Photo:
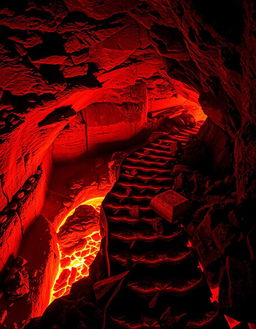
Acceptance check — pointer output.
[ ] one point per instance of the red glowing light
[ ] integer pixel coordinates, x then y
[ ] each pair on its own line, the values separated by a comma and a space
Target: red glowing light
75, 265
232, 322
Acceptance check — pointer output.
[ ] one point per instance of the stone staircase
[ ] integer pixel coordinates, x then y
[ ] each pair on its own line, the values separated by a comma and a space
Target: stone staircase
165, 287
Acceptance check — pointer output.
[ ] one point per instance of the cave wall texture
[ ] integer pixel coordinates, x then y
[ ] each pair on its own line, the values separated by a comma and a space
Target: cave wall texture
59, 57
68, 53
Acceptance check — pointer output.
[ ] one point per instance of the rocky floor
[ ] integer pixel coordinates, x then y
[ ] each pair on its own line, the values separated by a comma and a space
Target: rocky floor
165, 287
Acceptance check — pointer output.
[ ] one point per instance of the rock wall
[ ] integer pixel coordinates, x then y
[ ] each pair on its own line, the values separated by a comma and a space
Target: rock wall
51, 58
52, 67
30, 277
71, 143
220, 43
24, 207
62, 53
58, 58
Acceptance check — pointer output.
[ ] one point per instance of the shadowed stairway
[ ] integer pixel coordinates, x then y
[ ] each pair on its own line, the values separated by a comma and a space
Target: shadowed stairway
165, 287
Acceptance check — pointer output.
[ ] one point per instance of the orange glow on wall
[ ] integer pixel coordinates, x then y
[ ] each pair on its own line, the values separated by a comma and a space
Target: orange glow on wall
76, 264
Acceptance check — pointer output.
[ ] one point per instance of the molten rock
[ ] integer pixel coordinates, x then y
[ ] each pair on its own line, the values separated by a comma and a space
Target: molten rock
79, 241
73, 233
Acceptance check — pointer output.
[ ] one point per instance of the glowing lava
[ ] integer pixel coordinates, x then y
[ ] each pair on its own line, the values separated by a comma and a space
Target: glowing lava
75, 262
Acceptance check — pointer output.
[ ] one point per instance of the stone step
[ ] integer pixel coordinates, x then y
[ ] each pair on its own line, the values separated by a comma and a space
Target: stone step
140, 167
148, 236
149, 259
121, 243
146, 163
145, 155
133, 200
156, 151
131, 305
118, 226
119, 196
140, 186
174, 138
163, 270
153, 178
133, 220
208, 320
124, 210
159, 146
153, 223
181, 287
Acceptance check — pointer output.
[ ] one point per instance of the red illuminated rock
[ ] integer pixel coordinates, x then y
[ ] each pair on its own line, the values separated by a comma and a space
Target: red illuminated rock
83, 222
74, 71
16, 282
60, 114
31, 275
79, 241
3, 315
18, 215
71, 142
77, 53
100, 9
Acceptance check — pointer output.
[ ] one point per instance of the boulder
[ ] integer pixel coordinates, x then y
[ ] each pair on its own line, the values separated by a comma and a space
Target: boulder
170, 205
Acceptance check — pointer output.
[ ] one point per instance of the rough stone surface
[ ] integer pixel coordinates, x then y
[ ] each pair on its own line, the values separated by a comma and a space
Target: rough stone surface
170, 205
71, 54
30, 276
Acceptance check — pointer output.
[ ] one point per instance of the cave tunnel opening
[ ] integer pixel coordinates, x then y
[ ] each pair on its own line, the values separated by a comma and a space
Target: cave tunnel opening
127, 142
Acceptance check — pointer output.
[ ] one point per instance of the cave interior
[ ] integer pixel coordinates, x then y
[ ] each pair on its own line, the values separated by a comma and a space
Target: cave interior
127, 164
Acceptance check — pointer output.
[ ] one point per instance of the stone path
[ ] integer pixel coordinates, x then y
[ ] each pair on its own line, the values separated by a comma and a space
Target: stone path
165, 287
